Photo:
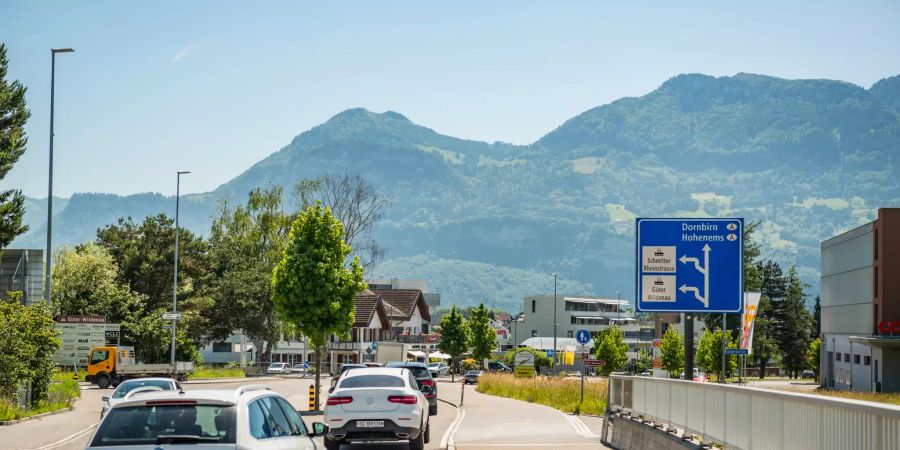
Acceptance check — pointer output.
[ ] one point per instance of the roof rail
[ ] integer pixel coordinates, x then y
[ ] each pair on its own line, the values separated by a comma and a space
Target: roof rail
250, 387
141, 390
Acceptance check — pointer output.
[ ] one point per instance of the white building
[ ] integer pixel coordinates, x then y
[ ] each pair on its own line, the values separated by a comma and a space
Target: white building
572, 314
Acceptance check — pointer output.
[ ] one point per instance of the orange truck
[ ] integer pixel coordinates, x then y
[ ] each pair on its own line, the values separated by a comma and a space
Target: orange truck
110, 365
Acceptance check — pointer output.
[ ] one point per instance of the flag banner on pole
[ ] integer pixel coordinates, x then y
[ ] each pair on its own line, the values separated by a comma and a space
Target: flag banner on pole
751, 306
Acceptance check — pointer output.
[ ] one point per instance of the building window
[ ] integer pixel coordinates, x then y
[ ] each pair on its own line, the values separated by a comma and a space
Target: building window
533, 333
855, 359
867, 361
533, 306
846, 357
569, 333
573, 320
837, 356
221, 347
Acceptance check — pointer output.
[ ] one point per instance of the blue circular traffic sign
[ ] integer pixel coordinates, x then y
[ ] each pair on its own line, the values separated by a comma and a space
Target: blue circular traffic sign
583, 336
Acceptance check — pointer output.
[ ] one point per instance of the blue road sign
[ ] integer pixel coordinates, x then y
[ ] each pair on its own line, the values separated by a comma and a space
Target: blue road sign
551, 353
583, 336
374, 345
737, 351
690, 265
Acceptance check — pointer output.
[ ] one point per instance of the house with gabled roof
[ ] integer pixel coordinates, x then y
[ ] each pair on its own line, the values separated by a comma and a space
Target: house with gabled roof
408, 312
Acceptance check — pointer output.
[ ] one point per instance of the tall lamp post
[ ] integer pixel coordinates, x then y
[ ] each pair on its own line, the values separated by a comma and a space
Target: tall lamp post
175, 283
555, 355
53, 52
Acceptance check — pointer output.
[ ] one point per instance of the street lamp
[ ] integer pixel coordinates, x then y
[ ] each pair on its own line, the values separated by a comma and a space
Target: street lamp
555, 356
175, 283
53, 52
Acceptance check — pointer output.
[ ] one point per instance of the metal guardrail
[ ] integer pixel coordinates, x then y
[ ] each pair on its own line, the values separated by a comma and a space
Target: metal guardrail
749, 418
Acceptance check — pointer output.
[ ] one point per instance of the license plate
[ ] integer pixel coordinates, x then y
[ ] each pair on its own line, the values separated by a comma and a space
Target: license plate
370, 424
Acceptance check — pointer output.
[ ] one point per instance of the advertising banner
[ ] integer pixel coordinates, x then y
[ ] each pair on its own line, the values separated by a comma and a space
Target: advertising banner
78, 339
751, 307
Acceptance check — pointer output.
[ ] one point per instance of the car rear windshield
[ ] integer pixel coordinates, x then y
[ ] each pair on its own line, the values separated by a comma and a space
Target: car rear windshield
418, 371
372, 381
142, 425
129, 386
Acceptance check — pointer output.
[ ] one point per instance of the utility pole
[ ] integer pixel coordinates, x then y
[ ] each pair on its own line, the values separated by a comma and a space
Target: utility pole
175, 282
49, 256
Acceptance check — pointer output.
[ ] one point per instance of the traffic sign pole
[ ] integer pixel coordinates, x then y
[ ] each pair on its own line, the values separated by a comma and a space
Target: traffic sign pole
724, 346
688, 346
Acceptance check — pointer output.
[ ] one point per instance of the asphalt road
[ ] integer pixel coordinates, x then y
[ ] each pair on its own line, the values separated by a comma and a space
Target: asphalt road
483, 422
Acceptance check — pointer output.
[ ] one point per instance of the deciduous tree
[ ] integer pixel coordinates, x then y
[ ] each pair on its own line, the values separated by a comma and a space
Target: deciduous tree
311, 286
812, 356
610, 346
484, 338
709, 353
454, 336
672, 352
13, 116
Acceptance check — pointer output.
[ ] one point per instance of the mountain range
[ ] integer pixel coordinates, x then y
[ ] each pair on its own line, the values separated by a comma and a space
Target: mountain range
491, 221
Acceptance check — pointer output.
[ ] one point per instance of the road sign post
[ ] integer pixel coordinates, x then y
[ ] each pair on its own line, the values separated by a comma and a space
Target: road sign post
689, 266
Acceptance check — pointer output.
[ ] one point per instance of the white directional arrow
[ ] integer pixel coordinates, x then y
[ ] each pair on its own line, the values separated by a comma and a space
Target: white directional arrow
685, 289
706, 251
686, 259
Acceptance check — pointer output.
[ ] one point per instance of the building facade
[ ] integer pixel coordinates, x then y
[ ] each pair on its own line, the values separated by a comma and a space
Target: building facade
572, 314
861, 307
22, 270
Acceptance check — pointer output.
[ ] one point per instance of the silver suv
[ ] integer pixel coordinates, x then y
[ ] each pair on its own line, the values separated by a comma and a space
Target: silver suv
249, 417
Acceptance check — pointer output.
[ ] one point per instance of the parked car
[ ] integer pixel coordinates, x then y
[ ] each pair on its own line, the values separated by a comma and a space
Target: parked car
247, 417
129, 387
372, 364
278, 368
471, 377
378, 404
423, 378
300, 368
497, 366
807, 374
438, 369
696, 371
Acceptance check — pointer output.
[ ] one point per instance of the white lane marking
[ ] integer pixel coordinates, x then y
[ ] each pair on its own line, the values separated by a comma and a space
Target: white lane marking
68, 439
579, 426
448, 441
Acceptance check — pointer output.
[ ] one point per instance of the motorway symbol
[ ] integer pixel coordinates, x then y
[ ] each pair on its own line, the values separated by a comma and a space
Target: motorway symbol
689, 265
171, 316
583, 336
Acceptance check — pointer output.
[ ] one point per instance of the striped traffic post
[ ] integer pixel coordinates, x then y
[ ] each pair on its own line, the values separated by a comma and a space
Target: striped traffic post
312, 397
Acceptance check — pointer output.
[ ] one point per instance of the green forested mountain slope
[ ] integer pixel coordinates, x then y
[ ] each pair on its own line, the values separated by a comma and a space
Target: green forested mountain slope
806, 158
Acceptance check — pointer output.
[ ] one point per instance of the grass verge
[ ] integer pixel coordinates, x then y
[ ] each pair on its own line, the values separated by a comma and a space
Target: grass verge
562, 394
62, 393
892, 398
205, 372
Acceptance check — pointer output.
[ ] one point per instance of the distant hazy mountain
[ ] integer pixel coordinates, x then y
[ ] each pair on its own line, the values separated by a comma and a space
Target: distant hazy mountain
806, 158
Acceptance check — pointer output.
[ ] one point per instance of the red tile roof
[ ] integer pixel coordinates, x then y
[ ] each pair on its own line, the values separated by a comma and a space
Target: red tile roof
367, 305
405, 301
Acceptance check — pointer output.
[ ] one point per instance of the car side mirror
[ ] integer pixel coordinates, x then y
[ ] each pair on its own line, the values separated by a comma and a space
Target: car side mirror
104, 399
426, 389
319, 429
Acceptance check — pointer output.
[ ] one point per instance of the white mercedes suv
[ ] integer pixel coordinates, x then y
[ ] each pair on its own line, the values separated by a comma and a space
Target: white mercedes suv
377, 404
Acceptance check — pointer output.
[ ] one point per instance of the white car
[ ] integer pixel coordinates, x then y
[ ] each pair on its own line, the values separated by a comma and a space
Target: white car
129, 387
438, 369
278, 368
249, 417
300, 368
378, 404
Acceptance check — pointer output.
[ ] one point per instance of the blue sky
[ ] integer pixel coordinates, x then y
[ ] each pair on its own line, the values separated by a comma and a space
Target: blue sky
214, 86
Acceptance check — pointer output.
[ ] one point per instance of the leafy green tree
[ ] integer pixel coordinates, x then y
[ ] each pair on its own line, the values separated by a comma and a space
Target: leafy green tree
812, 356
84, 282
610, 346
792, 325
672, 352
144, 254
817, 318
484, 338
29, 341
644, 361
311, 287
454, 336
13, 116
709, 353
246, 243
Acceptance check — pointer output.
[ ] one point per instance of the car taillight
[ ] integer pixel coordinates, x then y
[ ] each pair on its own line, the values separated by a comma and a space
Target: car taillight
404, 399
334, 401
426, 382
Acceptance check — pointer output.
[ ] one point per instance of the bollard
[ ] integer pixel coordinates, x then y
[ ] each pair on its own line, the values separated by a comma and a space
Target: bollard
462, 393
312, 397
